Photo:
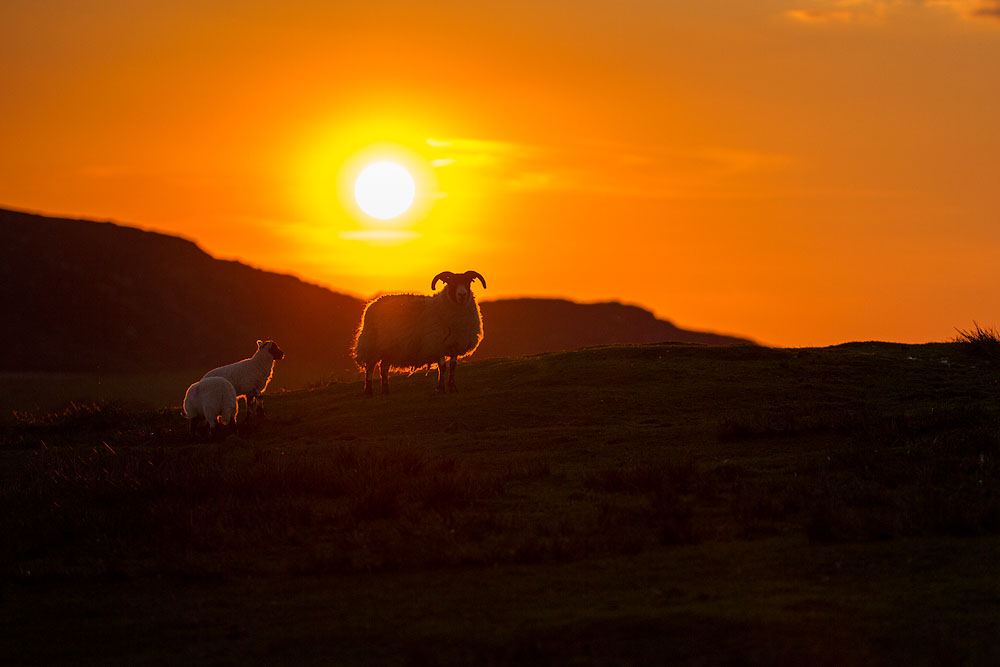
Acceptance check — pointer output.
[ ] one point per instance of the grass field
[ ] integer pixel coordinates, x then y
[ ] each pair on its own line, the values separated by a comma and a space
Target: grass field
36, 393
620, 505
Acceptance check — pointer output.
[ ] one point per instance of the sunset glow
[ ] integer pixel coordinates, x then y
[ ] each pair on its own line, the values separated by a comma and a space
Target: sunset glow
801, 173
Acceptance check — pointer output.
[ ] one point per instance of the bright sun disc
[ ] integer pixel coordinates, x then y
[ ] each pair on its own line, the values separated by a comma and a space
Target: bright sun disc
384, 190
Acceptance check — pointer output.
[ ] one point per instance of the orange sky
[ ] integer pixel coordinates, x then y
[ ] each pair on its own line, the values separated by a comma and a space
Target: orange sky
800, 172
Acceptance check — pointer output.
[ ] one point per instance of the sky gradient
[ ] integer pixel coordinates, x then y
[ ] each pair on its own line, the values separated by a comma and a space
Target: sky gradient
799, 172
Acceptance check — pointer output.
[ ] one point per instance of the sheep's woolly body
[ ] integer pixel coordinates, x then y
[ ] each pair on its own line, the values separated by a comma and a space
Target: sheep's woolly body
211, 399
249, 377
411, 331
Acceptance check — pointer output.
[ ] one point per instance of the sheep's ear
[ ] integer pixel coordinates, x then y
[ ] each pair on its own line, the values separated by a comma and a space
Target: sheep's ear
259, 343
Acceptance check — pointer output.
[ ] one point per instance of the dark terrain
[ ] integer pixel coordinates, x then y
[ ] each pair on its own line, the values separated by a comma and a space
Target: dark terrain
618, 505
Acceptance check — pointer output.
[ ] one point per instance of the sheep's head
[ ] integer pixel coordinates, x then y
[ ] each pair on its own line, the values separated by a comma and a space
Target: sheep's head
272, 348
458, 287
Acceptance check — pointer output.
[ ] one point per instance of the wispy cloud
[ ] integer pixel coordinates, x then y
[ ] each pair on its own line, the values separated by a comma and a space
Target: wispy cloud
970, 9
819, 16
873, 12
846, 11
379, 236
605, 168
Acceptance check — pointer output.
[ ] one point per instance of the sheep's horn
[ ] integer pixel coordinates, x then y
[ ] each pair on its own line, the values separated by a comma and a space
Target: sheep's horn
472, 275
444, 276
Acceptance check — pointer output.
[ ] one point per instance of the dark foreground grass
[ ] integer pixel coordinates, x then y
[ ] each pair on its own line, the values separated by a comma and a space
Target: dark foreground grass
984, 342
613, 505
146, 510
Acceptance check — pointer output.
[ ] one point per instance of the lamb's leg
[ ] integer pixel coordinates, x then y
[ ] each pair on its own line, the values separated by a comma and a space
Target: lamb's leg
383, 369
451, 374
368, 379
441, 363
233, 426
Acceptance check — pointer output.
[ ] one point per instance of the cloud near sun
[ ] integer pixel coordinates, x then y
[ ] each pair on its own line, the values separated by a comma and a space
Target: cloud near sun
867, 12
606, 168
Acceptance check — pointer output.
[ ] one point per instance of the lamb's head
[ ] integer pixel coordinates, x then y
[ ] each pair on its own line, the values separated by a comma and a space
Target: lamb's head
458, 287
271, 348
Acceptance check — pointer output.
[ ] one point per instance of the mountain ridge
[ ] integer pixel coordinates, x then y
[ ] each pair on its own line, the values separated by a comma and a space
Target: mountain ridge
89, 296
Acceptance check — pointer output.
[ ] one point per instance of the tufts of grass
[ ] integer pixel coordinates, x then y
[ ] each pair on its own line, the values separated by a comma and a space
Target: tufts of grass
864, 423
668, 488
93, 423
88, 507
914, 483
984, 342
929, 472
655, 478
759, 424
767, 507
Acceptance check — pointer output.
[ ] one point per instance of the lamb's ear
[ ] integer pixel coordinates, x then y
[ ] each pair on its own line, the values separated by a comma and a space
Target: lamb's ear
259, 343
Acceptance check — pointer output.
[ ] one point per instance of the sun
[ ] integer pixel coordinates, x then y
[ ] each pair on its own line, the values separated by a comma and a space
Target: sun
384, 190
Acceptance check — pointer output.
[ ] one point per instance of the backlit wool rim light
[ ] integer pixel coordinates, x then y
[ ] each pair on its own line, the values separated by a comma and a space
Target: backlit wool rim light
384, 190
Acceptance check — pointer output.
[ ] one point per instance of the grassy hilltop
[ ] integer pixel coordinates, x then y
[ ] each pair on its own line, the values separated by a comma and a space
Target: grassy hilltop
614, 505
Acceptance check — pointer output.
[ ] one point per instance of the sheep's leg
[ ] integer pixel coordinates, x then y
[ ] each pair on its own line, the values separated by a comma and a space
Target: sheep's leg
383, 370
246, 404
258, 400
451, 374
194, 425
233, 426
441, 363
368, 379
215, 430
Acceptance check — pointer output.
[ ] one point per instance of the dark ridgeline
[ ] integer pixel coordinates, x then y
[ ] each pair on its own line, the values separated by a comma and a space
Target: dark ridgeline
95, 296
517, 327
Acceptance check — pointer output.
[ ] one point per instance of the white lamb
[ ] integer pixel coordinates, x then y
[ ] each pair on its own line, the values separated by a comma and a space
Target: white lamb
213, 401
250, 376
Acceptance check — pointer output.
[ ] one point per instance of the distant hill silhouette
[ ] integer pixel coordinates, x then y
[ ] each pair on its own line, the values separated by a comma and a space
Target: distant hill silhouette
88, 296
518, 327
92, 296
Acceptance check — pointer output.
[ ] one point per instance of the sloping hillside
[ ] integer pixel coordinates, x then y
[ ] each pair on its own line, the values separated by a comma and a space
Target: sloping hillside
82, 296
90, 296
736, 505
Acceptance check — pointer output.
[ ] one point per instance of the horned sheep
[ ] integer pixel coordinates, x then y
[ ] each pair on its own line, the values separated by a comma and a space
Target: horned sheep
249, 377
213, 401
409, 331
